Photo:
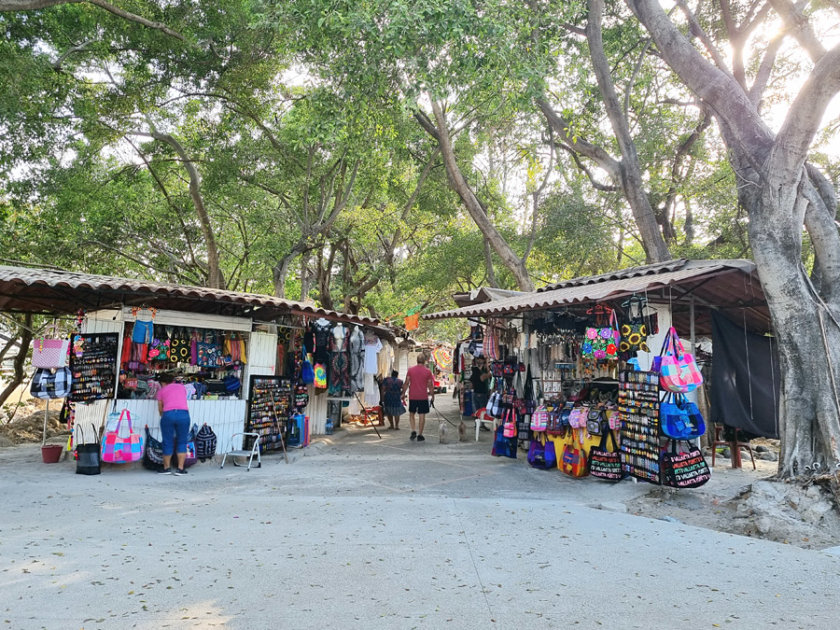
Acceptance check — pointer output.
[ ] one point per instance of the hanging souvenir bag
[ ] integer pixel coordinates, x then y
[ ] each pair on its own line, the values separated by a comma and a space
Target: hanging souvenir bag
205, 442
610, 337
605, 463
209, 353
159, 349
509, 424
497, 369
573, 462
678, 371
613, 417
51, 384
307, 373
88, 460
577, 417
179, 346
634, 332
152, 452
494, 405
680, 418
301, 396
594, 421
684, 469
50, 353
191, 454
120, 449
539, 419
541, 454
503, 446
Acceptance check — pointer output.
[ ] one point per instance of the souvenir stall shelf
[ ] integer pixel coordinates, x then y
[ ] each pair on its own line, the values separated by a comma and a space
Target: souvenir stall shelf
638, 406
269, 410
93, 364
209, 362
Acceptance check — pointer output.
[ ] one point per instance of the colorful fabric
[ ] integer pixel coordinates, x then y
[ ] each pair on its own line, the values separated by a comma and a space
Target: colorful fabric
121, 449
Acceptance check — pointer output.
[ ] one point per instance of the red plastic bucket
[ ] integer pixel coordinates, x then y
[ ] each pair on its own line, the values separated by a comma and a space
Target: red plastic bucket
51, 453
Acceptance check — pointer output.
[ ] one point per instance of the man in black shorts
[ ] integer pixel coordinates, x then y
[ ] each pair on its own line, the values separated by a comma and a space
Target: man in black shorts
420, 383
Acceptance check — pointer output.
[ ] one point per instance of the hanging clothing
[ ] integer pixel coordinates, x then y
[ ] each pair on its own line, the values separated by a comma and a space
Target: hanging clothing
372, 347
371, 391
384, 361
491, 341
357, 359
339, 361
321, 329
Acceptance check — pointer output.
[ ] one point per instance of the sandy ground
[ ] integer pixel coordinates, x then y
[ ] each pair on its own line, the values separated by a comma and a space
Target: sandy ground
365, 532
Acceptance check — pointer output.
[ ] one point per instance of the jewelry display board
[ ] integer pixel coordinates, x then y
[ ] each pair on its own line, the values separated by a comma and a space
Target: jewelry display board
269, 409
638, 406
93, 365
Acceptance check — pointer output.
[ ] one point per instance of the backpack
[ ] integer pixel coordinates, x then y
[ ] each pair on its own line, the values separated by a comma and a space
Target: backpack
205, 443
539, 419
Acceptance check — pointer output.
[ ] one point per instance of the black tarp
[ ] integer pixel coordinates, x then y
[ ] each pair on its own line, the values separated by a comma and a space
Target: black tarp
745, 379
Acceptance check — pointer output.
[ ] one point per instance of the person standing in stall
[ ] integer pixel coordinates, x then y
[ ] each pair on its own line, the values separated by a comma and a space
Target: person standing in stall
420, 383
480, 379
392, 400
174, 423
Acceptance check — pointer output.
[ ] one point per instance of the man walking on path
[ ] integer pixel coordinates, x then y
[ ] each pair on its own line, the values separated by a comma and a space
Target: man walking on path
420, 383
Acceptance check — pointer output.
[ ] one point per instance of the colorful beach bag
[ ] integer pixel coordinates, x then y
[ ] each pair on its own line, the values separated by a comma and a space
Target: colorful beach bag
680, 418
678, 371
122, 449
684, 469
605, 463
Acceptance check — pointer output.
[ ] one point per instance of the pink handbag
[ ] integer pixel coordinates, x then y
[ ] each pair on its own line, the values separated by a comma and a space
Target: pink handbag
119, 449
678, 371
50, 353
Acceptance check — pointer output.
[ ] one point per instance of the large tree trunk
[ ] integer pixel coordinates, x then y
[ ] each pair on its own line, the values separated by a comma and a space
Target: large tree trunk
775, 188
808, 343
456, 180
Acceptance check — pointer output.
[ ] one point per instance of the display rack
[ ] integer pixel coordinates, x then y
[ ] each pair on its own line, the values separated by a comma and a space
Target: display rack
94, 367
638, 406
269, 409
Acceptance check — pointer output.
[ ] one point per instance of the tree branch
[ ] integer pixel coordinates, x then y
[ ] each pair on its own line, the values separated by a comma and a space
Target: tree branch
800, 27
35, 5
805, 113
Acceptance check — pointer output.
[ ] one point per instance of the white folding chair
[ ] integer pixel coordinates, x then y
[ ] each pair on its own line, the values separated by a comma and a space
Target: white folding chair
250, 453
482, 417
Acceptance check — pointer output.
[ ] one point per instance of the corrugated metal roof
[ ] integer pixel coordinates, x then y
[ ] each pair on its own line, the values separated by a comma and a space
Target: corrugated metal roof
483, 294
638, 280
618, 274
53, 291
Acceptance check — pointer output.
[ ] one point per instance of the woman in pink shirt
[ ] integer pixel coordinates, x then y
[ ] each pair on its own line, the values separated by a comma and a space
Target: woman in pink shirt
174, 422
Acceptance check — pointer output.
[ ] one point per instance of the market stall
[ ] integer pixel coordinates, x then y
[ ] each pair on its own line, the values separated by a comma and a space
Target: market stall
221, 344
572, 354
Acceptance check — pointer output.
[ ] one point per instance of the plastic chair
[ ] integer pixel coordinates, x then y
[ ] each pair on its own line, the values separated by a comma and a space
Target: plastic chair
734, 447
243, 452
481, 418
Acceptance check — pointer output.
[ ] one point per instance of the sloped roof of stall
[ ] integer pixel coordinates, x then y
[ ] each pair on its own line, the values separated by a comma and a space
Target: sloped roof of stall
482, 295
722, 284
53, 291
